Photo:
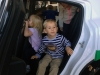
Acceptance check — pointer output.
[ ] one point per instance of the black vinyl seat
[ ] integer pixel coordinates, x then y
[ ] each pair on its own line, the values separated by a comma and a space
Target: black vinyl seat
17, 67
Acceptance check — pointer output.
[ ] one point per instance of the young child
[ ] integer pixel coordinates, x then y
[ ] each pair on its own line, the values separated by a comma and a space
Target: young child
50, 13
33, 30
54, 46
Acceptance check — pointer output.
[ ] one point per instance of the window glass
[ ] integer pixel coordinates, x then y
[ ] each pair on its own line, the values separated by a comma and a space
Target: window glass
40, 4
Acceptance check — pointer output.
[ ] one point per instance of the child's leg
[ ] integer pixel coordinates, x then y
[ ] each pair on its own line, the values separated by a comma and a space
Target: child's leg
54, 66
43, 64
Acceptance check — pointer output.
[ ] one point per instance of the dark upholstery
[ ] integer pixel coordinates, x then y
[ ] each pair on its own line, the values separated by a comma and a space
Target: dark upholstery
17, 67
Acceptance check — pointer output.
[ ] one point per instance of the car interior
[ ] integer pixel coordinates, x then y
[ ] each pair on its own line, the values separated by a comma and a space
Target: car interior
73, 34
17, 45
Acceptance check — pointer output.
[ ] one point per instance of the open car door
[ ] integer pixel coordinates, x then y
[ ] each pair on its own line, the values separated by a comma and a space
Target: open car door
12, 14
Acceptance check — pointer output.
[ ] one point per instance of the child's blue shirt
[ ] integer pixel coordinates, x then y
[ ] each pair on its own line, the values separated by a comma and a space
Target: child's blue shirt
54, 47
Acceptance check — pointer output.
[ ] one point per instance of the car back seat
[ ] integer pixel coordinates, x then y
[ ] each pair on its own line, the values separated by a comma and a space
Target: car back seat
73, 36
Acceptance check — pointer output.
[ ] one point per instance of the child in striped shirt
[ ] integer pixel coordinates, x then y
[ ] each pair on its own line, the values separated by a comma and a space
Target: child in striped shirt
54, 45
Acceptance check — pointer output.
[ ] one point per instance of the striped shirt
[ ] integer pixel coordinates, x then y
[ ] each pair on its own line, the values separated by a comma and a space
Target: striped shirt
54, 47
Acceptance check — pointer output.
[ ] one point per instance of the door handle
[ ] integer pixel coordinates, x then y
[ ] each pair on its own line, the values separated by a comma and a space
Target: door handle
82, 44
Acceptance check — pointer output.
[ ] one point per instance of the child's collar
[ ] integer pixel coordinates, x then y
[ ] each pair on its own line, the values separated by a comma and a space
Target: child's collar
51, 38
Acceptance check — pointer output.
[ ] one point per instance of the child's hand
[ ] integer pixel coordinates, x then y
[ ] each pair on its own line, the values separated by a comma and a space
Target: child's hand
69, 51
34, 57
26, 22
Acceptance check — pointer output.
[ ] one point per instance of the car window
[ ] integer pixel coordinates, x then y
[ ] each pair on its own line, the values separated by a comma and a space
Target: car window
40, 4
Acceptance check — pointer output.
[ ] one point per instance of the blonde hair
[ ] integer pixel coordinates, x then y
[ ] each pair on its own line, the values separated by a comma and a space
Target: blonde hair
37, 23
48, 21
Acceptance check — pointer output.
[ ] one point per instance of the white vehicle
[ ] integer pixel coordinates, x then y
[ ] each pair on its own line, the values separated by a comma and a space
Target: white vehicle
89, 41
84, 35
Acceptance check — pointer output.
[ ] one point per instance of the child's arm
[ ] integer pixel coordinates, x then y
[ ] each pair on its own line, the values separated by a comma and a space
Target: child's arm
27, 32
67, 44
40, 51
69, 50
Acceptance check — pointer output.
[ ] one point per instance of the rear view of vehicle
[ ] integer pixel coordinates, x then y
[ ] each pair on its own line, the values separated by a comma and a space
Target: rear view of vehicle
84, 34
